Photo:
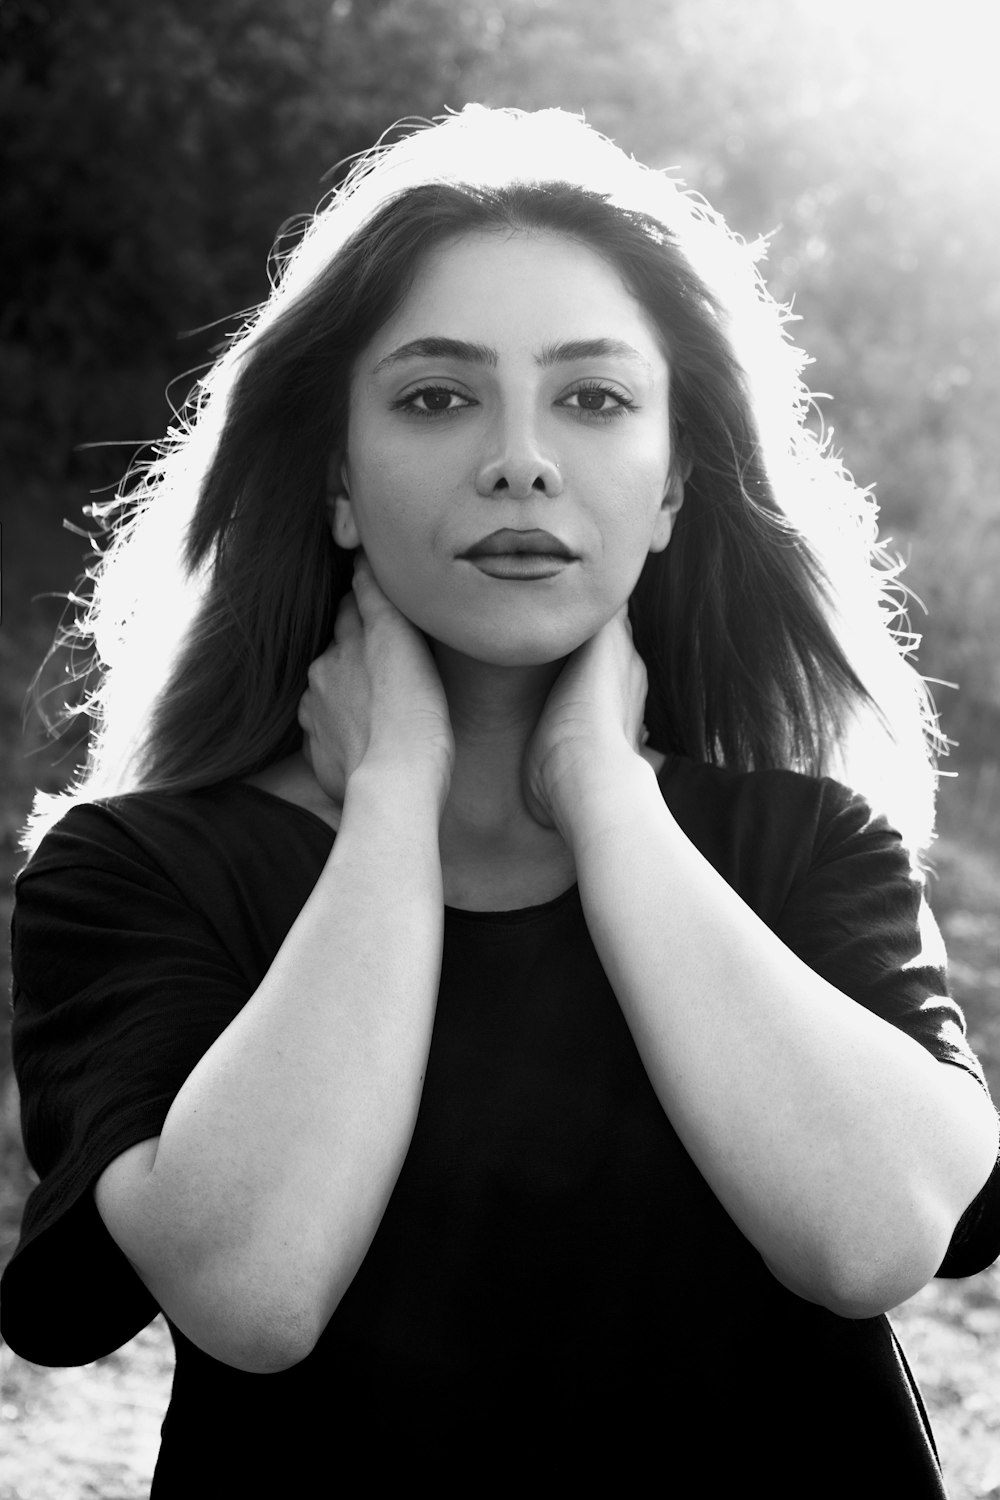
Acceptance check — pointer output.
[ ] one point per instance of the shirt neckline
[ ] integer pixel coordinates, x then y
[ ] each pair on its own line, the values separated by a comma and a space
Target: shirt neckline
464, 913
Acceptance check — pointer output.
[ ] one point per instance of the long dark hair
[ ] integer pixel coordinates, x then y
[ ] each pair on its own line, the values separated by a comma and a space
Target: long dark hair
737, 620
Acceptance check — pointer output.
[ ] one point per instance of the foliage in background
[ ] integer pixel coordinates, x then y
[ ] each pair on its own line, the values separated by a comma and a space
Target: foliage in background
151, 153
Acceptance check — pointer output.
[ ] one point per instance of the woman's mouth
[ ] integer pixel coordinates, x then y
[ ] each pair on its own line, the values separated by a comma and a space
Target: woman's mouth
519, 555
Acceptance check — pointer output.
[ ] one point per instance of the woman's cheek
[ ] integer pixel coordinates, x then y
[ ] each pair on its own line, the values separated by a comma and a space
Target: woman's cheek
401, 582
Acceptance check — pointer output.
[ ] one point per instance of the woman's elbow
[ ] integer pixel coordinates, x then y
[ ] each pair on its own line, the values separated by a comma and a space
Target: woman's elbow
870, 1291
255, 1315
869, 1274
265, 1351
260, 1335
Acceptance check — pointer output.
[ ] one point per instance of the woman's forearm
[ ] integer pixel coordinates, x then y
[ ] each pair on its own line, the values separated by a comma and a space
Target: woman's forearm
843, 1150
280, 1151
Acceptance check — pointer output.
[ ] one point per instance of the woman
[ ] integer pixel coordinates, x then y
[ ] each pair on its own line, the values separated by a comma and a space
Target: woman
512, 1059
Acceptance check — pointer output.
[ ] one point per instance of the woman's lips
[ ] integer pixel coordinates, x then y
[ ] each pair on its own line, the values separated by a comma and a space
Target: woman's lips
520, 555
521, 566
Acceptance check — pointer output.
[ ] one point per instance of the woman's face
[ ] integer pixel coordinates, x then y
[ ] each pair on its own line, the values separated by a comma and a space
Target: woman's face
508, 461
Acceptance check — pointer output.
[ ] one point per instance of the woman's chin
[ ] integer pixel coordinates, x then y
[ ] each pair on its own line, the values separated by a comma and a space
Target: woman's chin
511, 652
523, 638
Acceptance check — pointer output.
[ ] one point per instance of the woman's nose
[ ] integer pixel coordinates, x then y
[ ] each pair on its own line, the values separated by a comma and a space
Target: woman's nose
518, 467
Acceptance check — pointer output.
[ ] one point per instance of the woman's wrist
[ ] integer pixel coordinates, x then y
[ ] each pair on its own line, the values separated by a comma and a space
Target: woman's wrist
416, 786
607, 791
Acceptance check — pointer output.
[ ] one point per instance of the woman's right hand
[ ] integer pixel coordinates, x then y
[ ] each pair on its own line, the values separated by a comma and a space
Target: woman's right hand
374, 696
248, 1217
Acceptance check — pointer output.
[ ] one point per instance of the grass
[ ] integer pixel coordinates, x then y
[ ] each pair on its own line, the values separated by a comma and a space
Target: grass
91, 1433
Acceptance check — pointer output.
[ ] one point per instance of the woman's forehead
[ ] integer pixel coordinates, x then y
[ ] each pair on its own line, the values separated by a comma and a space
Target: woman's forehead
496, 288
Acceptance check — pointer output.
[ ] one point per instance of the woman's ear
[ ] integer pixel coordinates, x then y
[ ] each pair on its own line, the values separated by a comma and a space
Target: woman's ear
673, 499
339, 509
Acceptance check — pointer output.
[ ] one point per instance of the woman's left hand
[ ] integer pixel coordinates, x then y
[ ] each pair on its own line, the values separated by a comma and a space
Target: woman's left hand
590, 726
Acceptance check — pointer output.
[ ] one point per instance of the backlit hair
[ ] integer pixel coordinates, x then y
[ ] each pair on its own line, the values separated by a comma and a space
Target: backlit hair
766, 625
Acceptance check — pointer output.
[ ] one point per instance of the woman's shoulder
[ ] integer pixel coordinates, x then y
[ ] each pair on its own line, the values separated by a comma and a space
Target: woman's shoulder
225, 865
767, 831
223, 823
804, 805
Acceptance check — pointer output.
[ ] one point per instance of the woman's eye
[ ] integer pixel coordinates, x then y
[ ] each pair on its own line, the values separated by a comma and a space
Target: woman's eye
433, 401
597, 401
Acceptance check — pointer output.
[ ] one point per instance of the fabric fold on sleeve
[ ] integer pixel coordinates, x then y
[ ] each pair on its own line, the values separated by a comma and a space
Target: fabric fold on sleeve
860, 918
120, 988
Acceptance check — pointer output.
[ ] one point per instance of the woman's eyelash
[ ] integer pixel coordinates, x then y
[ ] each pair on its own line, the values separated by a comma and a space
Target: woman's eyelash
437, 401
623, 403
408, 403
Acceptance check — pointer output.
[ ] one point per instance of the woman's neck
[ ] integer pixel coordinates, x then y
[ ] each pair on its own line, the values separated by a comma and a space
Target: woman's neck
494, 712
494, 854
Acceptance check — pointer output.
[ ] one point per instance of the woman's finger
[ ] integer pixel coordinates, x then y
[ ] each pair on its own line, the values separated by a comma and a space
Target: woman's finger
366, 587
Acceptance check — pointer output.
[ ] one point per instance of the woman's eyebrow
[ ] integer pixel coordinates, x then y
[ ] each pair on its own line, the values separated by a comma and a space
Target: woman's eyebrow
438, 348
558, 354
482, 354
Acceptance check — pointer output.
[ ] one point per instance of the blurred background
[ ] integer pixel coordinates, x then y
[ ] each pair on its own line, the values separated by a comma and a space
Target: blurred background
148, 157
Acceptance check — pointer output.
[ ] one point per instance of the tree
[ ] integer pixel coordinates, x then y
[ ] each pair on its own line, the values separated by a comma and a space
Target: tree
151, 154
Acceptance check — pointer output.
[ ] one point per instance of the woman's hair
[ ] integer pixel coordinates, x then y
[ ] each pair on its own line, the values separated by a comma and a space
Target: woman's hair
765, 626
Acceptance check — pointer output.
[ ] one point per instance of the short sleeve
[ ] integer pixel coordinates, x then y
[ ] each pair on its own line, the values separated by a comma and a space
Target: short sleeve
120, 986
860, 918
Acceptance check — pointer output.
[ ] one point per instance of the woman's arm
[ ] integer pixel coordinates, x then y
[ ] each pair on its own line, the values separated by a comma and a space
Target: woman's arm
250, 1214
843, 1150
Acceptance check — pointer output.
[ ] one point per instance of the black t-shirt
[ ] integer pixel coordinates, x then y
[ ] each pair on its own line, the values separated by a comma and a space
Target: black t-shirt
554, 1296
